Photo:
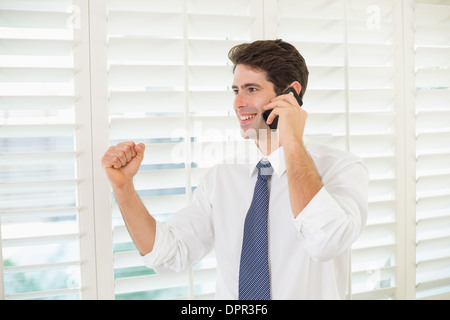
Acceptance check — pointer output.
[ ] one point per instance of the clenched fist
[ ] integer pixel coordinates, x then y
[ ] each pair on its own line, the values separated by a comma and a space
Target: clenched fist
122, 162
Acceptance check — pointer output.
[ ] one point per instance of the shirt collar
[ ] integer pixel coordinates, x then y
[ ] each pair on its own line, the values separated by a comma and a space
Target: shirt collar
276, 159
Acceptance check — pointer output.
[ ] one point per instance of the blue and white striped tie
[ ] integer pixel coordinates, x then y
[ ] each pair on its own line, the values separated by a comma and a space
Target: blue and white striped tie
254, 280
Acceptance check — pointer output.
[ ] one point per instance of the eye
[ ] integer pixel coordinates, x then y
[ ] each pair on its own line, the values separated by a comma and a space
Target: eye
251, 89
236, 92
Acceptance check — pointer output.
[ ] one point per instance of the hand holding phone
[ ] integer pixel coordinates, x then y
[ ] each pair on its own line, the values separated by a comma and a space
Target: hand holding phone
266, 114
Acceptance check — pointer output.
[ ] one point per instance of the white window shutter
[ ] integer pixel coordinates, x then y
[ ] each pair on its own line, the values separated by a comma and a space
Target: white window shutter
432, 69
39, 180
169, 87
349, 47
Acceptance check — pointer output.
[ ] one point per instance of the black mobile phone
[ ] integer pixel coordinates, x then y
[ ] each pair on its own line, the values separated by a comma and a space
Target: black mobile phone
266, 113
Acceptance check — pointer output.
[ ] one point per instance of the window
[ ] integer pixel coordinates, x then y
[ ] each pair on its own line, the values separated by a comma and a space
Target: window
432, 153
352, 104
77, 76
183, 115
41, 197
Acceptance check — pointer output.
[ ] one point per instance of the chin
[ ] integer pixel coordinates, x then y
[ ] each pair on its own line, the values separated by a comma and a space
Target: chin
249, 133
255, 134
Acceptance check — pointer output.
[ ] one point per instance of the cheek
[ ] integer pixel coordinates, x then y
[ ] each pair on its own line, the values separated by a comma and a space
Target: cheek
261, 103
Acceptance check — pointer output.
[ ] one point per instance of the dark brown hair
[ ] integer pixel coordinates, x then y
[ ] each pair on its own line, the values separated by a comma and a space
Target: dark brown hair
280, 60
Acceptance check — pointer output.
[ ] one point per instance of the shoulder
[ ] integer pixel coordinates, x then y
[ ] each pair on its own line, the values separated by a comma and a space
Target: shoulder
318, 150
328, 158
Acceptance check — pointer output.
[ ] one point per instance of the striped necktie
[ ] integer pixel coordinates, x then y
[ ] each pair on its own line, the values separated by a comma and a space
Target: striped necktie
254, 280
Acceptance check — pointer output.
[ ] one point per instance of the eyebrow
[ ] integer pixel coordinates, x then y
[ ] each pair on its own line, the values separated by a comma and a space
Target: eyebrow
247, 85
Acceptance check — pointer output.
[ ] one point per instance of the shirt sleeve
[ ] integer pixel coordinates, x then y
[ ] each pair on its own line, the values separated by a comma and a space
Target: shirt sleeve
335, 217
163, 248
185, 239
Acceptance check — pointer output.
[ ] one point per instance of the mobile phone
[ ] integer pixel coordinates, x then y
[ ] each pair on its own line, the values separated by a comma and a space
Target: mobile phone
266, 113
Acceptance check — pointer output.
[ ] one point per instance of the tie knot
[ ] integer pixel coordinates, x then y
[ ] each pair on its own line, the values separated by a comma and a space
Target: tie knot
265, 170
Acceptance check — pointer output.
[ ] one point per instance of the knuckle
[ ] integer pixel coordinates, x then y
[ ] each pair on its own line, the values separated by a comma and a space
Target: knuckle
116, 162
126, 149
121, 155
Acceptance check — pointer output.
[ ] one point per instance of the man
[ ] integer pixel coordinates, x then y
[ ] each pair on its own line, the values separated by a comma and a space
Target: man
317, 204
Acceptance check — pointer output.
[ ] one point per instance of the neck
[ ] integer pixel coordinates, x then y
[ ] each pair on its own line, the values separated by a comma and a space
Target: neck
267, 141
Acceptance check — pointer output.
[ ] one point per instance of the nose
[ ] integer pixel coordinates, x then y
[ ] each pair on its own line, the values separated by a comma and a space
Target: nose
239, 101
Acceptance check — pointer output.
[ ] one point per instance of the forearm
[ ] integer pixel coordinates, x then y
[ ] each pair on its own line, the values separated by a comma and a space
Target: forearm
303, 180
335, 217
140, 224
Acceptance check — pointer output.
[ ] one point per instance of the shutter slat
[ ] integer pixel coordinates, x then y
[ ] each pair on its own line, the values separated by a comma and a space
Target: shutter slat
34, 241
145, 24
153, 282
124, 103
143, 77
34, 19
45, 103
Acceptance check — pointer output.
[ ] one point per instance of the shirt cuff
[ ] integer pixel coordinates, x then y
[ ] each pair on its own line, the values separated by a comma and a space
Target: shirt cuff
320, 211
158, 255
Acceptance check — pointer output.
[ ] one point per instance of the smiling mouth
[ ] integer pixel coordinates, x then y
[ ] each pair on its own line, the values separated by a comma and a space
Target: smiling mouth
248, 117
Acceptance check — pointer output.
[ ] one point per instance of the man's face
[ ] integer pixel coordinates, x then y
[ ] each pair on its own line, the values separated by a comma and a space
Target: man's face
253, 92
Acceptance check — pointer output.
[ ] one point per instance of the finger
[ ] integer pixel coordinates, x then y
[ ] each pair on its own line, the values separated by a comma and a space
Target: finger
117, 163
289, 98
107, 164
119, 158
109, 159
119, 155
275, 112
277, 104
128, 150
131, 152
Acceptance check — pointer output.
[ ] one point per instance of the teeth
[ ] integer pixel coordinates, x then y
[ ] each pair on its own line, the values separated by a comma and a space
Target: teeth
248, 117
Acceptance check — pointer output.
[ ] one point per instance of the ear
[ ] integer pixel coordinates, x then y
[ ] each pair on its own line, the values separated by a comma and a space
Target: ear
297, 86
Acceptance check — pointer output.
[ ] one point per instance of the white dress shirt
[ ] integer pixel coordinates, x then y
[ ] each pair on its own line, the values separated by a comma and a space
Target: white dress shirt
308, 255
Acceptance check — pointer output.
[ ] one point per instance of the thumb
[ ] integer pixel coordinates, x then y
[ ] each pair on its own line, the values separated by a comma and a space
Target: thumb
140, 149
